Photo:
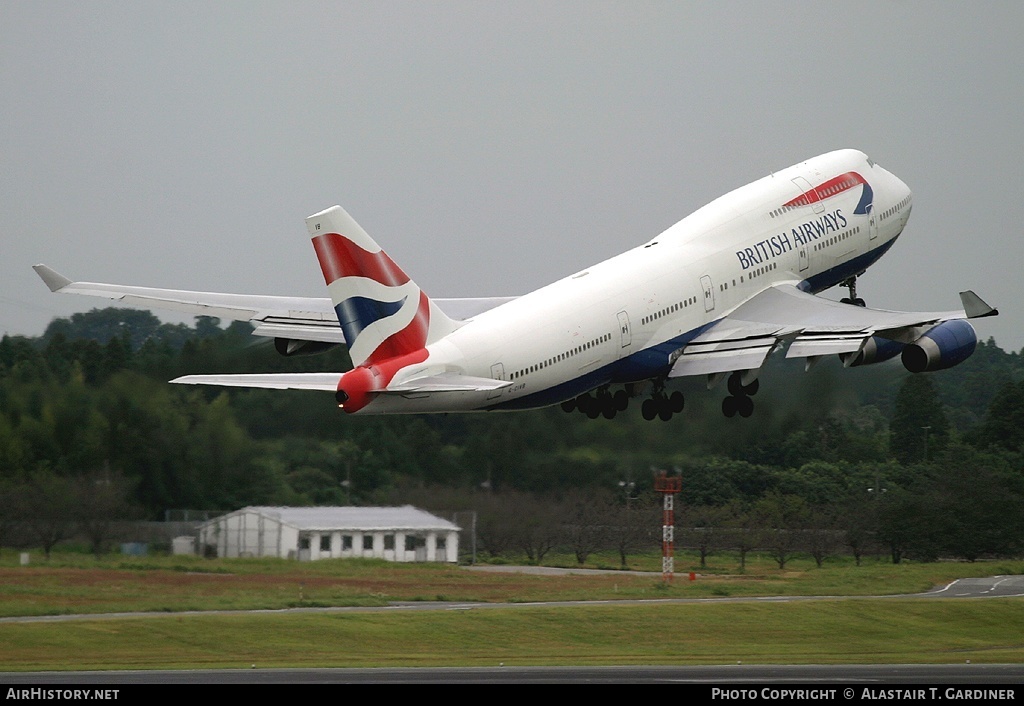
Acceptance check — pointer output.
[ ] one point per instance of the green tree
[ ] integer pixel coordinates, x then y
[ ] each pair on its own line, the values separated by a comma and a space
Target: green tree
743, 529
46, 504
102, 325
781, 520
103, 498
1004, 421
703, 529
919, 427
978, 503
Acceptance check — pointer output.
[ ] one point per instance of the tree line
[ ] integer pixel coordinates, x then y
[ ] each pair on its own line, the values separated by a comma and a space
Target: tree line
925, 466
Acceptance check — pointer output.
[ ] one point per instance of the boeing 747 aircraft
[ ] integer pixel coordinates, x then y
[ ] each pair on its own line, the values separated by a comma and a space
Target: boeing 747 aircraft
712, 296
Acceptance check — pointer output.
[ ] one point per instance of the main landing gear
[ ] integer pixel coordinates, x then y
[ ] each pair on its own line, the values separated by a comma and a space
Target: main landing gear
663, 406
607, 404
600, 403
853, 298
738, 401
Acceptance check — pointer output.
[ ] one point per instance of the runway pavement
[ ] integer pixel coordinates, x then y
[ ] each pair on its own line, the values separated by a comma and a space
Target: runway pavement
839, 678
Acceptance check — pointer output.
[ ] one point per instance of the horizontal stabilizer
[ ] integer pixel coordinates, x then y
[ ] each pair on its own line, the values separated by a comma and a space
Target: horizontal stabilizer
329, 382
274, 381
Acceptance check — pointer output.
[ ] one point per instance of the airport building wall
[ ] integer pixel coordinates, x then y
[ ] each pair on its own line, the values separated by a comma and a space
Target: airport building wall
308, 535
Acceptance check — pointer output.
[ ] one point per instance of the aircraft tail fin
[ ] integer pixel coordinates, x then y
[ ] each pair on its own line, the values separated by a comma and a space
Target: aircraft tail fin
382, 312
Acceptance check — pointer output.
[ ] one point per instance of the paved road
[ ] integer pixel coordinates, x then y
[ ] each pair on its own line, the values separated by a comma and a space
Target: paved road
552, 570
847, 682
991, 587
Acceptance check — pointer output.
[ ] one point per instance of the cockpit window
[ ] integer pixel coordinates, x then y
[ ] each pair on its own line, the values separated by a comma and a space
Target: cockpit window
871, 162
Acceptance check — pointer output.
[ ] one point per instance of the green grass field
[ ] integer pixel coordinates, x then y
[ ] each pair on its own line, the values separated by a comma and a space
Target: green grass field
842, 630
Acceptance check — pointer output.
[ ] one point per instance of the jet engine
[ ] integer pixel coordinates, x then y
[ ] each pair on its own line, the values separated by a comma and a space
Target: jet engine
943, 346
876, 350
290, 346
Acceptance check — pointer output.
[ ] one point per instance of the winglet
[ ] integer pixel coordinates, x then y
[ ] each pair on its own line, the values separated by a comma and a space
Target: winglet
975, 307
53, 279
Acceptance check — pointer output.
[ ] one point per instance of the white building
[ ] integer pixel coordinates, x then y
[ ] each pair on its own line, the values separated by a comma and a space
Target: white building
308, 533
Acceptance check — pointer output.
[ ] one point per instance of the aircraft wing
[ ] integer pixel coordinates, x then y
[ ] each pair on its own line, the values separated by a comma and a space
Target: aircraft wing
811, 325
299, 318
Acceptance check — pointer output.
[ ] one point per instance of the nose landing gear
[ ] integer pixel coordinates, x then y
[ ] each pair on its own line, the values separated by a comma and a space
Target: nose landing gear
853, 298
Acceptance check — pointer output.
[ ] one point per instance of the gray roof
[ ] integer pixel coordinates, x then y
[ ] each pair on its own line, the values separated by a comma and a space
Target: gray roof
359, 519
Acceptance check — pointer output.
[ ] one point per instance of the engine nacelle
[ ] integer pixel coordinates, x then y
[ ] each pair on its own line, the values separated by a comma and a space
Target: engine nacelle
943, 346
876, 350
290, 346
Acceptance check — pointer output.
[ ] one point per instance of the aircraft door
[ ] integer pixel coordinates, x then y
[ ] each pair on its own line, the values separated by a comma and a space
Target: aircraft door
805, 261
872, 223
625, 336
709, 293
498, 373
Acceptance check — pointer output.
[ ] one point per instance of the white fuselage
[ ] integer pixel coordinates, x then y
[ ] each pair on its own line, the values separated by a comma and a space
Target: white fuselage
622, 320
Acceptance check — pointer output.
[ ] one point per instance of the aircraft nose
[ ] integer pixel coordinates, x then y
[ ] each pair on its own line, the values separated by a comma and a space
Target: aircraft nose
902, 190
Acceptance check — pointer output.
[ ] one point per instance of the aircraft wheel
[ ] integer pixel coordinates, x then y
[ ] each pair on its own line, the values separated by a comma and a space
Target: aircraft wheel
594, 411
665, 412
609, 412
584, 402
735, 384
569, 405
729, 406
621, 399
859, 302
649, 409
751, 389
677, 401
846, 300
745, 406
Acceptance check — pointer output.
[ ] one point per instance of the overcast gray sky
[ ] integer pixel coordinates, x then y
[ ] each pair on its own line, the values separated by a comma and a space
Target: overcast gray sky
490, 147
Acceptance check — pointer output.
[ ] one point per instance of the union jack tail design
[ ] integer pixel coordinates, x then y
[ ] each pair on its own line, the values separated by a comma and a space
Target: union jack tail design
382, 312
